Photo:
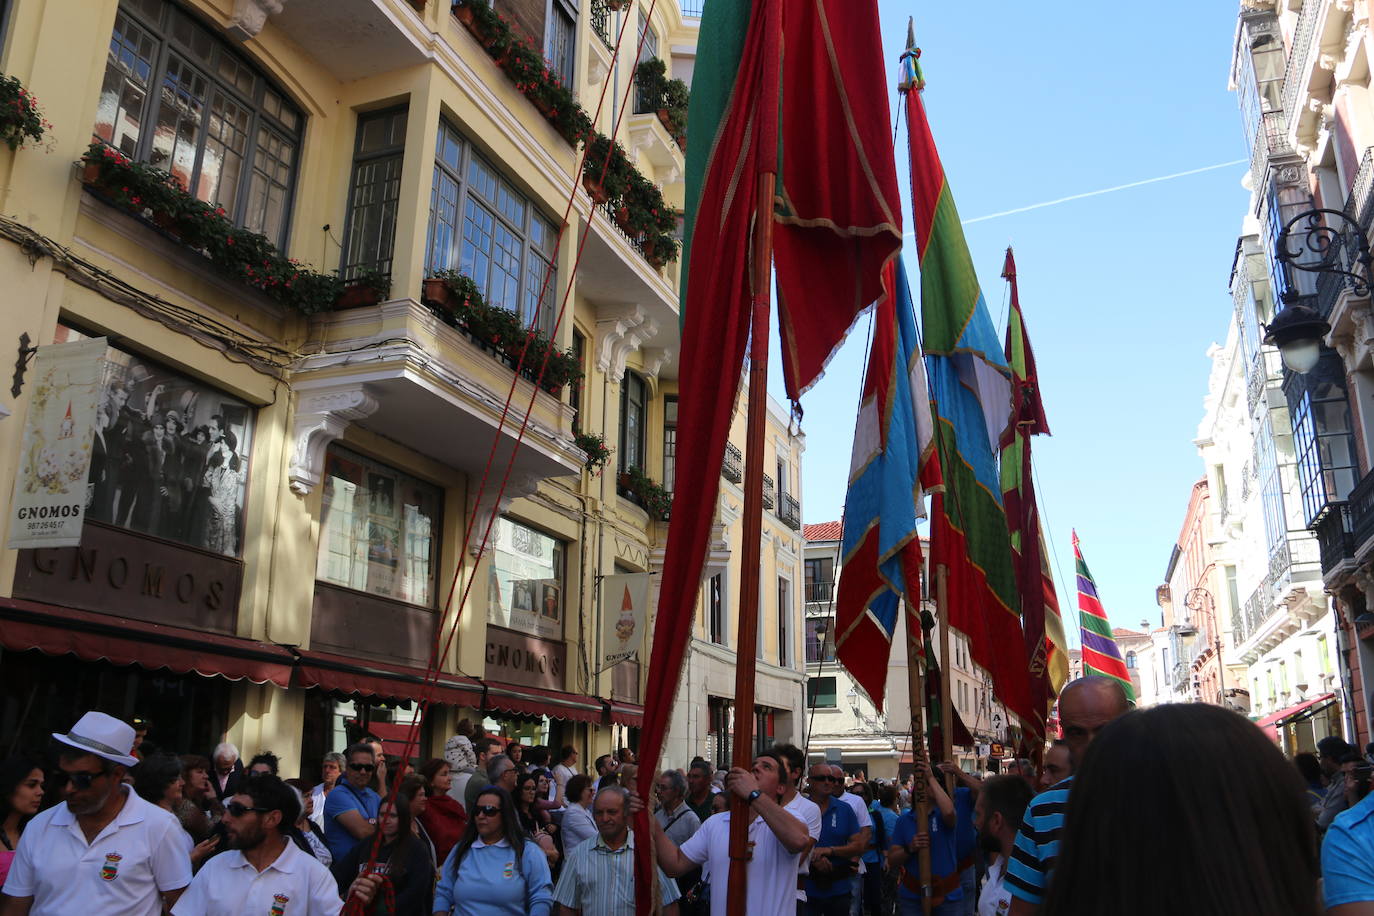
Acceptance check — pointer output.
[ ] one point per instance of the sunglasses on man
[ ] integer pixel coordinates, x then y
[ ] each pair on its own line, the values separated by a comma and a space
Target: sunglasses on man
363, 767
82, 779
237, 809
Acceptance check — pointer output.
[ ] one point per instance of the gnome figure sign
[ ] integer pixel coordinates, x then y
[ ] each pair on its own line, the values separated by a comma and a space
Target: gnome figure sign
624, 598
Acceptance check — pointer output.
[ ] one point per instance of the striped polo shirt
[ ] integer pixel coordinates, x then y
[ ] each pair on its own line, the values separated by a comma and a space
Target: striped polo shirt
1037, 844
599, 880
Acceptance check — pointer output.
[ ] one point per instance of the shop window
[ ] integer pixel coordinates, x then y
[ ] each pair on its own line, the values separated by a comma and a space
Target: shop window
378, 529
525, 586
669, 442
179, 98
482, 225
715, 608
819, 646
169, 455
374, 192
720, 729
633, 397
820, 693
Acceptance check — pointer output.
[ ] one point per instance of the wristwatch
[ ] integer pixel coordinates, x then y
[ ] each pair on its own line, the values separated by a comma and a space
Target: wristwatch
754, 796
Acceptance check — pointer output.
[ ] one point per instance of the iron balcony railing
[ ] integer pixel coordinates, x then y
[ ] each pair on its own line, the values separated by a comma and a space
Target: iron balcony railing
1331, 284
601, 21
768, 491
1362, 509
819, 591
789, 510
1335, 539
1271, 142
692, 8
733, 468
1299, 51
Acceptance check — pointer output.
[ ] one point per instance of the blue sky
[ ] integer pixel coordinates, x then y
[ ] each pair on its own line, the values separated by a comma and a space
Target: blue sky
1122, 292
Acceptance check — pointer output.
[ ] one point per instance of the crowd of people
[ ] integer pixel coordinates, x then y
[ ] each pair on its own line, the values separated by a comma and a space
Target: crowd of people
1180, 809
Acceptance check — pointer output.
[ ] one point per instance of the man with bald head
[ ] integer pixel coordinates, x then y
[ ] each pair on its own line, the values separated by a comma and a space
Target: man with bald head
1085, 707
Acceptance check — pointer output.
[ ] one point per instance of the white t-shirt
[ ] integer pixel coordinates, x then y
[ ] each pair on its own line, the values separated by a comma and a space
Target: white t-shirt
856, 804
561, 775
995, 900
137, 857
457, 787
229, 886
809, 813
317, 795
772, 869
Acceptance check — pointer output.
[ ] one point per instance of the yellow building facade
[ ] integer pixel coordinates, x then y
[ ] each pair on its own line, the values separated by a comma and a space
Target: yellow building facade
284, 510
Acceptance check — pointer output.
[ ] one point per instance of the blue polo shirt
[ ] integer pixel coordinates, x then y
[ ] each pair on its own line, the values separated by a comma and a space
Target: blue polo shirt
1037, 844
965, 836
838, 826
1348, 856
943, 862
346, 798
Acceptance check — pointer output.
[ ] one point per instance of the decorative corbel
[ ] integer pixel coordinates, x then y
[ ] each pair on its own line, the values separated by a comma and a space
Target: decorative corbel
516, 488
321, 417
250, 16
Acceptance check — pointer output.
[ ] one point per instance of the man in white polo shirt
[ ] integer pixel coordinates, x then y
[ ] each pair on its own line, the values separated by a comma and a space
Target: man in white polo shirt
263, 871
777, 840
103, 850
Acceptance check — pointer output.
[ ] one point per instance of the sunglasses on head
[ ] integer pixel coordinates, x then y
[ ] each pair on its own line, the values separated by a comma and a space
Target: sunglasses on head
486, 810
239, 810
363, 767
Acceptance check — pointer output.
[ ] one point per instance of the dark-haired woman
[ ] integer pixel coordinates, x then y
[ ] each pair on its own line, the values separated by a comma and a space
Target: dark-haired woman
158, 780
1161, 819
21, 794
534, 820
495, 870
403, 860
443, 818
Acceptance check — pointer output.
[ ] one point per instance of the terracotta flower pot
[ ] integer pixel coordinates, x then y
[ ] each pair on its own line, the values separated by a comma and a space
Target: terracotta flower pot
464, 14
665, 119
435, 291
91, 173
597, 192
357, 296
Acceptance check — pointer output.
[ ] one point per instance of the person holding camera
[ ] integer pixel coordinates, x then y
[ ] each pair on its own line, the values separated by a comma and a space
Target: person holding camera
835, 857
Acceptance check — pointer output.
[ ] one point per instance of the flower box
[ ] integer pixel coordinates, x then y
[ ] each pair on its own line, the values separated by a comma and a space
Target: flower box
357, 295
598, 194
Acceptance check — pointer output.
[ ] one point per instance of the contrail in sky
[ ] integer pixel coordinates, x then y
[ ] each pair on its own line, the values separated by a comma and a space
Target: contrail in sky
1120, 187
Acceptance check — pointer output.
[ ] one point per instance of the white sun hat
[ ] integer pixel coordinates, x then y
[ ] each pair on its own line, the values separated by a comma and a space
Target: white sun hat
102, 735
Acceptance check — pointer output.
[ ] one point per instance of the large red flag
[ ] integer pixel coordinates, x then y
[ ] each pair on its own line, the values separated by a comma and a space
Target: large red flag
839, 210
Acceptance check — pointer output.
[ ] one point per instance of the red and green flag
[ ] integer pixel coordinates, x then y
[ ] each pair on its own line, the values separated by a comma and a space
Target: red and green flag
1042, 627
1101, 656
837, 215
970, 389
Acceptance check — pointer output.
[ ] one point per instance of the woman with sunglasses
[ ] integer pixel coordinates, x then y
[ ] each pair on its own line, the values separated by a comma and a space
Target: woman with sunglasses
350, 811
495, 870
534, 819
403, 860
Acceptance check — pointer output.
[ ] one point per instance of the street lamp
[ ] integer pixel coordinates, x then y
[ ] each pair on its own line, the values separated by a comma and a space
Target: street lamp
1196, 600
1330, 243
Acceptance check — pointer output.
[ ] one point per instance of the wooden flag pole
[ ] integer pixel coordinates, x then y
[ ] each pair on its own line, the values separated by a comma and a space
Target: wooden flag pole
946, 711
747, 640
920, 791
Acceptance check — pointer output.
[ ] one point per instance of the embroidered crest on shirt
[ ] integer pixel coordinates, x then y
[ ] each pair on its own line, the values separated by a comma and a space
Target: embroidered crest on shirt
110, 870
508, 871
279, 902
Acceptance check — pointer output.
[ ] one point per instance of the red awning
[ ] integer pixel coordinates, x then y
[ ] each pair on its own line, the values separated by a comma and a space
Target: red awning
355, 677
533, 701
91, 636
1271, 722
628, 714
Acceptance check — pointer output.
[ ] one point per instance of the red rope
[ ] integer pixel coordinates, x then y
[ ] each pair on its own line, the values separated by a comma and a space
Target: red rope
437, 651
